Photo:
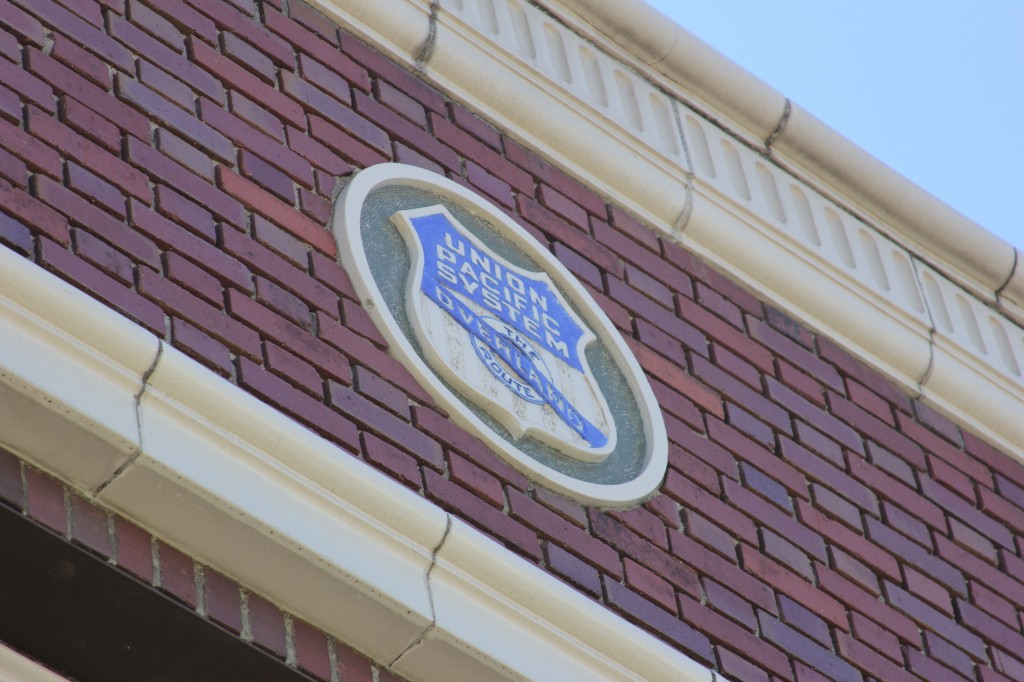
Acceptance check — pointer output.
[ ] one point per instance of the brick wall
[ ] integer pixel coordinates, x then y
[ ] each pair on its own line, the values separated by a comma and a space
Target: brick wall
176, 161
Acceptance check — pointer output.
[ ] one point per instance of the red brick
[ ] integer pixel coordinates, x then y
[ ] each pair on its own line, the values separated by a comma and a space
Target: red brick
561, 532
738, 668
95, 98
965, 536
315, 206
819, 657
476, 480
289, 335
724, 514
96, 190
90, 526
187, 18
869, 661
928, 669
311, 650
991, 629
899, 494
169, 60
307, 43
283, 303
183, 122
45, 500
292, 369
470, 147
741, 394
837, 507
667, 566
652, 618
787, 553
488, 184
223, 600
157, 26
956, 458
201, 346
184, 181
645, 523
558, 229
169, 87
993, 603
15, 235
711, 535
445, 431
365, 353
177, 573
650, 585
867, 376
769, 516
938, 424
731, 604
855, 543
100, 285
352, 666
267, 624
12, 490
924, 587
935, 620
186, 212
234, 76
385, 424
481, 514
28, 87
98, 222
237, 22
789, 583
210, 319
134, 549
21, 23
382, 392
33, 213
284, 215
300, 406
876, 636
976, 568
26, 147
173, 237
14, 169
400, 464
580, 574
90, 124
82, 33
248, 57
967, 511
907, 524
913, 554
867, 604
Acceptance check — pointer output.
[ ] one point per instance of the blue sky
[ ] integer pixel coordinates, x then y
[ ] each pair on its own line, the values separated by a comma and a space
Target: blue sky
934, 89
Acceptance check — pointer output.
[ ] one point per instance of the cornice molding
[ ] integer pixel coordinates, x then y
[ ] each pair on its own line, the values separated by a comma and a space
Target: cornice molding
843, 242
148, 432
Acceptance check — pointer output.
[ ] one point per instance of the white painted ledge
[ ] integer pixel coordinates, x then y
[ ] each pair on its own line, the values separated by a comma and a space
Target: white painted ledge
816, 227
241, 487
15, 667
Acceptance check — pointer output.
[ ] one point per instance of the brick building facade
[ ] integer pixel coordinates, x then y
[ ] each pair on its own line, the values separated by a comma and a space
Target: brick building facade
195, 402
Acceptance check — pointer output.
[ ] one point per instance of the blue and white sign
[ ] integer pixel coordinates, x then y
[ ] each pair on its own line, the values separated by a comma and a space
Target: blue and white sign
501, 335
515, 341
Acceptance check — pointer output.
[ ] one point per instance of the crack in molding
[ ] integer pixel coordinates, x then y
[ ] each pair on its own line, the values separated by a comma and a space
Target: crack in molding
1013, 270
430, 595
138, 421
933, 329
787, 109
427, 49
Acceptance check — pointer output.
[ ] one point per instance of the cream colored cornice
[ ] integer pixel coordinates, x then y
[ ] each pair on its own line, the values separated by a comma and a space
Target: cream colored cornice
148, 432
668, 128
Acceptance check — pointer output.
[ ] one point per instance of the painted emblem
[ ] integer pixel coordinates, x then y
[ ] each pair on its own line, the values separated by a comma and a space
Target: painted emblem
501, 335
504, 336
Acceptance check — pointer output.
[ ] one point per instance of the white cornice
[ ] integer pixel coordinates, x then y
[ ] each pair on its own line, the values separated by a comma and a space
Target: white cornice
148, 432
17, 668
795, 211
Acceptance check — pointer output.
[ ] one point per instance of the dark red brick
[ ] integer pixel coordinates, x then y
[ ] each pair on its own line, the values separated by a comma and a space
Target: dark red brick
223, 600
266, 622
177, 573
134, 549
201, 346
90, 526
482, 515
577, 572
311, 650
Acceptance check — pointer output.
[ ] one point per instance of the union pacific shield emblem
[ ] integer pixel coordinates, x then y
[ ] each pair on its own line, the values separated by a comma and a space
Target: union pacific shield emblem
503, 339
504, 336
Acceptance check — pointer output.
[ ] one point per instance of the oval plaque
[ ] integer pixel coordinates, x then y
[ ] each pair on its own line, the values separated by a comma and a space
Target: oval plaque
501, 335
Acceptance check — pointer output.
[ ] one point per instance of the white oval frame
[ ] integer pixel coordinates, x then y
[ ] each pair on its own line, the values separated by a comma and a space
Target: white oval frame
346, 225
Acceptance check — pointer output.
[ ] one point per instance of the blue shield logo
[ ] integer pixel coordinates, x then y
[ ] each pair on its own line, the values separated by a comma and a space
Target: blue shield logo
504, 336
